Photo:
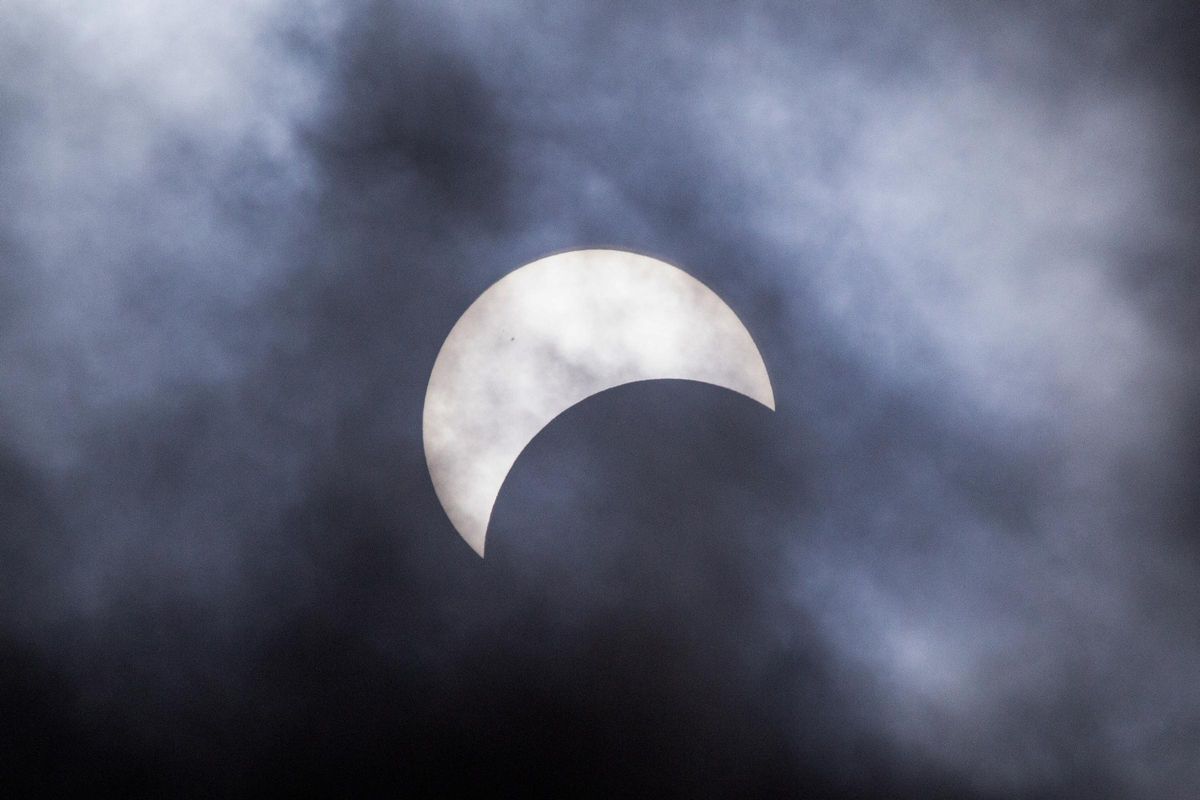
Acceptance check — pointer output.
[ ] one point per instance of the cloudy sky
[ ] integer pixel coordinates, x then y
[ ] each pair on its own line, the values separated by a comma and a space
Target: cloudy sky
962, 559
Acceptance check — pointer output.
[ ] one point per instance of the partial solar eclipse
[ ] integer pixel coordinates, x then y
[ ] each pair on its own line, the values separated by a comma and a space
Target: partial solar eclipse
553, 333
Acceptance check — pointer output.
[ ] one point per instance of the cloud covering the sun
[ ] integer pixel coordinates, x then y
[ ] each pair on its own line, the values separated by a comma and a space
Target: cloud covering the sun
961, 555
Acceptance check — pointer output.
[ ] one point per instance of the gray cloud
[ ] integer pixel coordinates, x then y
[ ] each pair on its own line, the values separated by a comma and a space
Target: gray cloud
960, 559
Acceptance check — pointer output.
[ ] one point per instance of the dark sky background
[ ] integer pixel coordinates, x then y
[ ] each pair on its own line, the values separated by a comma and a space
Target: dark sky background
961, 560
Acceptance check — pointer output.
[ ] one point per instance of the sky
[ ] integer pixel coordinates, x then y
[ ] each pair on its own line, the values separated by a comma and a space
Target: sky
961, 558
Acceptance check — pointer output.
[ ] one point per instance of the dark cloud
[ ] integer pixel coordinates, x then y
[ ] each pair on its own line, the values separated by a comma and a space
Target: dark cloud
959, 560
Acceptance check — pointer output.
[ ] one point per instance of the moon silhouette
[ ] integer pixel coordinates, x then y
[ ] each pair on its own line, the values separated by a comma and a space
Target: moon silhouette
553, 333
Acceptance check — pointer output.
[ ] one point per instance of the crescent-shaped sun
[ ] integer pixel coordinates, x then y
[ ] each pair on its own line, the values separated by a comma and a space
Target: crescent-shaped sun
552, 333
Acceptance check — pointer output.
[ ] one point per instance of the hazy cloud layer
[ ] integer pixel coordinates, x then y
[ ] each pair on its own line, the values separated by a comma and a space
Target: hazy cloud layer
959, 560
